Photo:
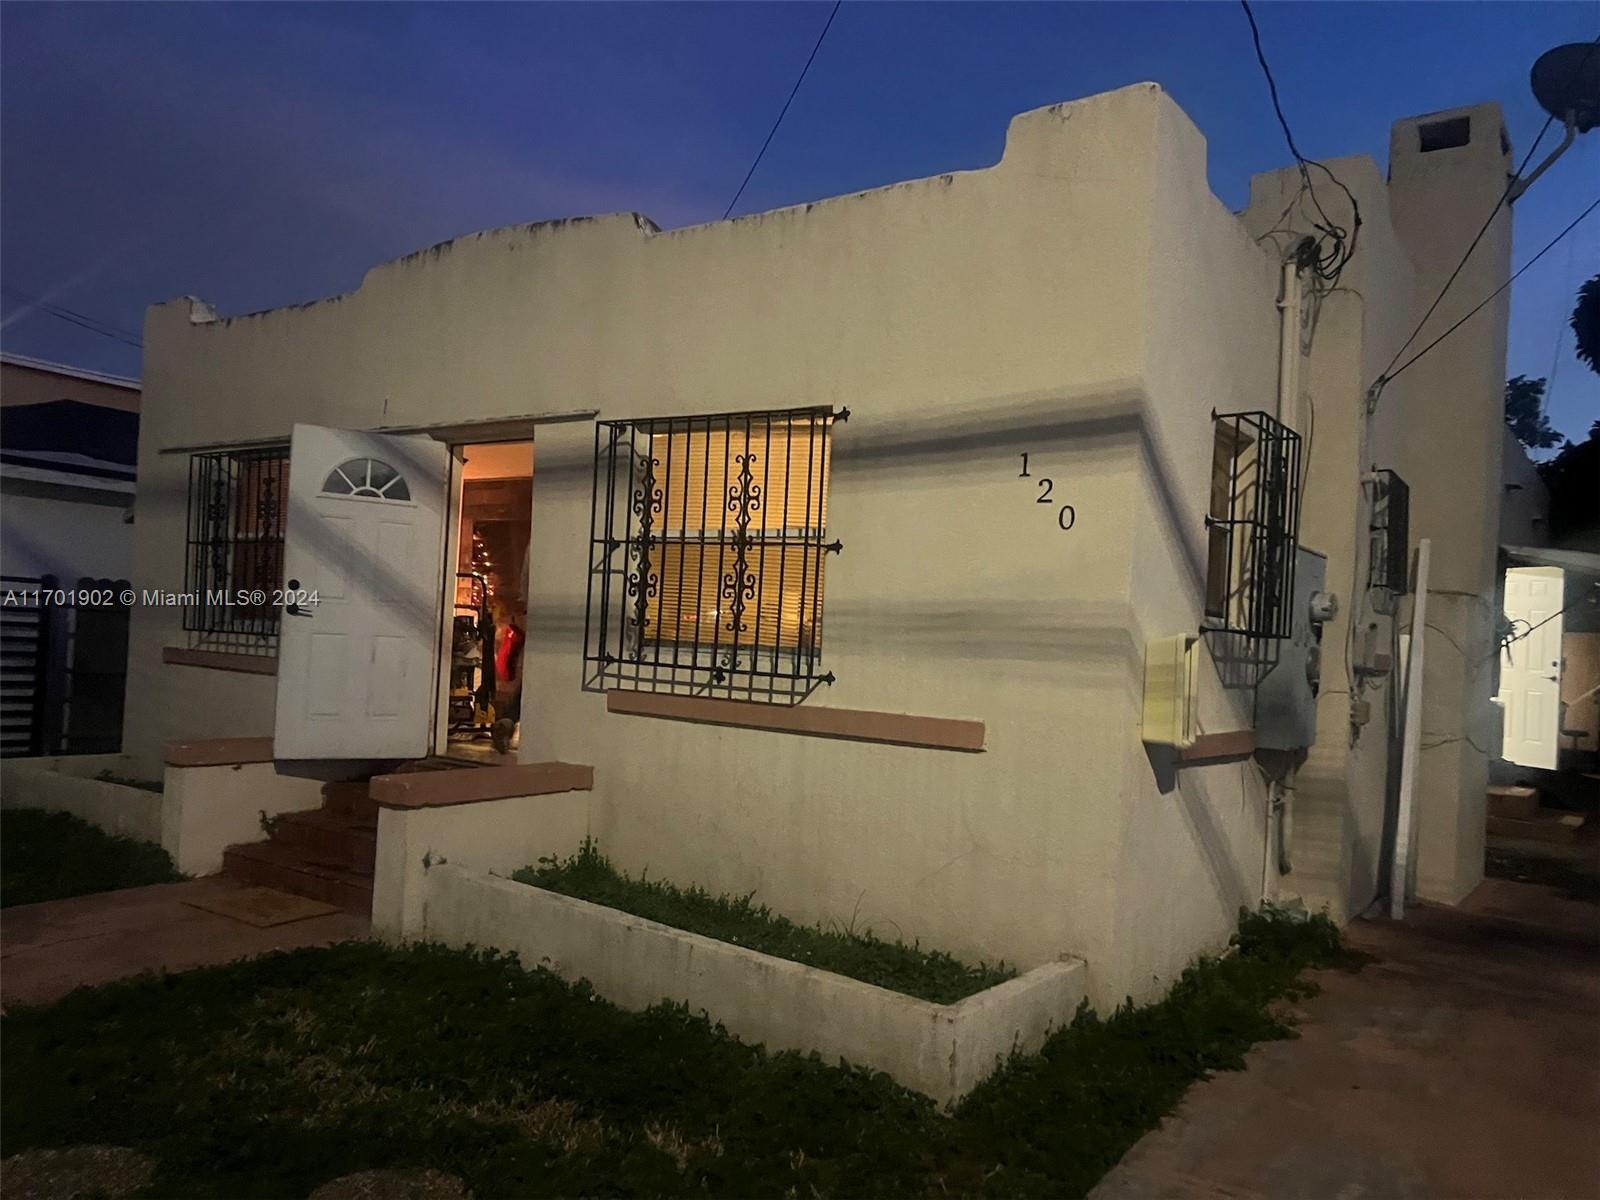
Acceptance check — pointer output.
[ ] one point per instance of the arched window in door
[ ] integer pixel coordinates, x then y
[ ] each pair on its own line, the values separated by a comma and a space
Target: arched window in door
369, 477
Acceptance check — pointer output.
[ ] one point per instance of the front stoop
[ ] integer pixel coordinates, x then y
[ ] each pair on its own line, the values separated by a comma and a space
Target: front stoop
323, 853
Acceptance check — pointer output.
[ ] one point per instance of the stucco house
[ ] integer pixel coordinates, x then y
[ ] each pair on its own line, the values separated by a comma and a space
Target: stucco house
1014, 560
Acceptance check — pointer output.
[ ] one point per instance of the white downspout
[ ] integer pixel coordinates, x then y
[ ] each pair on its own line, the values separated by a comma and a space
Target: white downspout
1290, 300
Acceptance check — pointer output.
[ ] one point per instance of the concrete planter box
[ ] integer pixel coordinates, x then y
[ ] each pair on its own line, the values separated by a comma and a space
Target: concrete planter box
202, 811
67, 784
941, 1050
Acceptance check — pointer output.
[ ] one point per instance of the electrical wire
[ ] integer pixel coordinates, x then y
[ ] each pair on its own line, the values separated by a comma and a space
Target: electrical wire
1550, 245
72, 317
1514, 637
784, 111
1384, 375
1327, 262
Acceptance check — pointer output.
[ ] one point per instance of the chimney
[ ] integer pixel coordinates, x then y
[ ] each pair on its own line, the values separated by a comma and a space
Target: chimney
1447, 171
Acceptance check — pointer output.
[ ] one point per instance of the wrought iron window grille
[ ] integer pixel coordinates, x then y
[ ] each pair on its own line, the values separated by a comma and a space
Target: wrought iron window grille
234, 559
1253, 527
707, 550
1389, 534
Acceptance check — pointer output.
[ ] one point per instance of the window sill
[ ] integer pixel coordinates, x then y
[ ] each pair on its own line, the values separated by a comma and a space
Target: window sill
219, 660
849, 724
1233, 746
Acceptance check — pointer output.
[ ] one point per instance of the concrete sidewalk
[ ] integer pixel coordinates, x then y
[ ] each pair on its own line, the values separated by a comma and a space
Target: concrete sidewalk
48, 949
1464, 1062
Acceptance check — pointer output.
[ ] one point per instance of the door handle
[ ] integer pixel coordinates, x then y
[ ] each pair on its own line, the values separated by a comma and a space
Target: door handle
292, 608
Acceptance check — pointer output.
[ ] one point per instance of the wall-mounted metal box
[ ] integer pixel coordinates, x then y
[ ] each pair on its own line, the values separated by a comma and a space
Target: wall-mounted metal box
1286, 698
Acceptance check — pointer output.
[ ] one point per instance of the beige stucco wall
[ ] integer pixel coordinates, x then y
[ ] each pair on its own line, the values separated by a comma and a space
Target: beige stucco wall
1454, 434
1086, 301
1342, 788
1524, 499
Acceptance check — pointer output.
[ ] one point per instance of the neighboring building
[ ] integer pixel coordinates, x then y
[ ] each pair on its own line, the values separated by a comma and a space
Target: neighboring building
938, 472
1524, 499
69, 444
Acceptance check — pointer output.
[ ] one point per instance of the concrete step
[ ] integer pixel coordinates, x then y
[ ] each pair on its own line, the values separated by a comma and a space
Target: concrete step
350, 798
322, 835
1546, 825
1518, 803
265, 864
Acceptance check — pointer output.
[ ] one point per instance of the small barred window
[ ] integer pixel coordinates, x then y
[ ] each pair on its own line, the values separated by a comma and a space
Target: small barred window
235, 549
707, 555
1253, 526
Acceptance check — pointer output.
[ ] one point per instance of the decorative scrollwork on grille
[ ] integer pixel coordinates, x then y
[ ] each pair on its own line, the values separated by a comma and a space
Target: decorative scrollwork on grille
707, 547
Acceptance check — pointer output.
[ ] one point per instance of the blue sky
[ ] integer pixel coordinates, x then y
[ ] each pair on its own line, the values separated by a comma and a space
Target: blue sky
266, 154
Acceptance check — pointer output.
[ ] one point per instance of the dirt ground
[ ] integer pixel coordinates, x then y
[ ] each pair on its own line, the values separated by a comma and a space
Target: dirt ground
1463, 1062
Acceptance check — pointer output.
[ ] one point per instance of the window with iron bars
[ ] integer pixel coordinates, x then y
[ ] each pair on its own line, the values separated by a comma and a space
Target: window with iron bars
1389, 531
235, 549
707, 555
1253, 526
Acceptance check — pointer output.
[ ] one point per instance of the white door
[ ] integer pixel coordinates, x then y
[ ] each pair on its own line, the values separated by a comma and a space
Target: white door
1530, 667
364, 542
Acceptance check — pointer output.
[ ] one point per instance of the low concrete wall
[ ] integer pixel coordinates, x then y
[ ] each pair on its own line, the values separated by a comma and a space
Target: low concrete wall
942, 1050
500, 835
207, 809
67, 784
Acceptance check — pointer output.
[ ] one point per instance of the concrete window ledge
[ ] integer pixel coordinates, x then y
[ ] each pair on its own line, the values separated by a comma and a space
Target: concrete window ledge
220, 660
941, 1050
471, 785
850, 724
1232, 746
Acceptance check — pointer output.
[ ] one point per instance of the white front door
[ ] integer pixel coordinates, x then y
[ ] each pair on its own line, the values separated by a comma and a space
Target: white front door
1530, 667
364, 548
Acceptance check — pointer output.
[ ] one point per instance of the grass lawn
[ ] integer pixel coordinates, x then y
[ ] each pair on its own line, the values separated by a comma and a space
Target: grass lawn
52, 855
926, 974
269, 1077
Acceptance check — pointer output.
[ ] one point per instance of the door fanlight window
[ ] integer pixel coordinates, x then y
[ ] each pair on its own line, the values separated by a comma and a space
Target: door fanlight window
369, 477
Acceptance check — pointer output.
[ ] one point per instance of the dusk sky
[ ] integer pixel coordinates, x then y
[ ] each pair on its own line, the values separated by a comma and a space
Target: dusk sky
266, 154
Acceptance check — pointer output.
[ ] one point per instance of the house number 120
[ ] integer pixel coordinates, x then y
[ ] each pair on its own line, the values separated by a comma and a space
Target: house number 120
1066, 515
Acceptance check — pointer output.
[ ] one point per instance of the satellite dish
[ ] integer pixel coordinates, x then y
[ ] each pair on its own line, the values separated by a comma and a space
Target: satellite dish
1567, 80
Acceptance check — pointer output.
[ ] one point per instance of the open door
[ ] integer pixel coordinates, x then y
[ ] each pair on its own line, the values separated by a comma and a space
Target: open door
362, 562
1530, 667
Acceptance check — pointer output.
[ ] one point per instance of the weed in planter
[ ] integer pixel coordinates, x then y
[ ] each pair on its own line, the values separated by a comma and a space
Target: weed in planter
740, 920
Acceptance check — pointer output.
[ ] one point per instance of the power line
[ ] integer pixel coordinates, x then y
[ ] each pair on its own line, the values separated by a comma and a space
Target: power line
1589, 596
72, 317
1330, 263
1384, 376
1550, 245
792, 93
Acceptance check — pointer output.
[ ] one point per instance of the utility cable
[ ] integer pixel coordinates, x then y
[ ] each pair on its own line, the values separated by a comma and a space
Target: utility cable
76, 318
1589, 596
794, 91
1330, 264
1385, 376
1382, 379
